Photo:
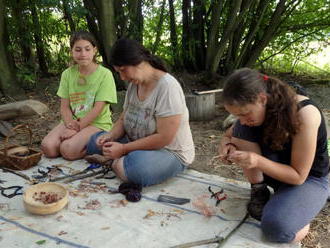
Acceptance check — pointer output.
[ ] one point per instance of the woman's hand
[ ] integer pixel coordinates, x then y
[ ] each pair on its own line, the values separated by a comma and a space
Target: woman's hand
67, 134
225, 150
113, 150
247, 160
73, 125
101, 140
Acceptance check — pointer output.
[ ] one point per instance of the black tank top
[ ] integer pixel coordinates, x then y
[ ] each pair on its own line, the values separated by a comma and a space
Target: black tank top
320, 165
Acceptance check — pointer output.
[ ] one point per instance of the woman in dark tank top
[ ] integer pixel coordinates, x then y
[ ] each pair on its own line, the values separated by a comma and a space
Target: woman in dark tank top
280, 141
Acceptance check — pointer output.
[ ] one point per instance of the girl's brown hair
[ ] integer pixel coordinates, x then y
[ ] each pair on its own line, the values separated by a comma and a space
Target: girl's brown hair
281, 120
83, 35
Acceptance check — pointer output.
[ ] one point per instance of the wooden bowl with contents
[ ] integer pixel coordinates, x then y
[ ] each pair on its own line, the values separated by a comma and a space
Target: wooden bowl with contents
45, 198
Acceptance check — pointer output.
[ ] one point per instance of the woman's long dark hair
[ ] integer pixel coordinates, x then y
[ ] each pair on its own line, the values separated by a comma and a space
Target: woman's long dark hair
281, 120
130, 52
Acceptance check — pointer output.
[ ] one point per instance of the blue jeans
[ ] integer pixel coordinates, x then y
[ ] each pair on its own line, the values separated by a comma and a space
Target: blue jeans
292, 207
144, 167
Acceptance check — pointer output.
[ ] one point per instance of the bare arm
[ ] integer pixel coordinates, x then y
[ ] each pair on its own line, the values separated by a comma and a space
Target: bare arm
302, 153
65, 110
303, 150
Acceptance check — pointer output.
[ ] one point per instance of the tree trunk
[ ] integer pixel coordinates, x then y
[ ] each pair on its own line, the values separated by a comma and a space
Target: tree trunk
101, 22
107, 26
269, 33
174, 36
198, 33
68, 15
213, 34
187, 38
159, 27
136, 20
8, 81
253, 29
24, 37
38, 39
121, 19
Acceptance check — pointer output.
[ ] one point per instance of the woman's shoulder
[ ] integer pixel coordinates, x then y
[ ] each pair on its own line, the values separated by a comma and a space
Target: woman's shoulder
309, 113
169, 81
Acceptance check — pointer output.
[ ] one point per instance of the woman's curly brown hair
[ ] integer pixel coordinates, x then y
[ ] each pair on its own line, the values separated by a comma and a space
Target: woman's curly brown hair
281, 120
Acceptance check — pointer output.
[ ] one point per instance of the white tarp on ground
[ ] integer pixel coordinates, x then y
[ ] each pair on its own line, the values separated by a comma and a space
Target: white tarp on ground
147, 223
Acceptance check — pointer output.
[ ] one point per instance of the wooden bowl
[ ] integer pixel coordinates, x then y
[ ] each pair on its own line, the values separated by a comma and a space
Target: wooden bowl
36, 205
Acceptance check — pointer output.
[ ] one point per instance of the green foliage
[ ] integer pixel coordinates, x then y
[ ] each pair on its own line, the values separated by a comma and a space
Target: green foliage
287, 47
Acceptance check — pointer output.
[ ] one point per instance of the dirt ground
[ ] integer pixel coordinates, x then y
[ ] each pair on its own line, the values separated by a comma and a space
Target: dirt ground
206, 134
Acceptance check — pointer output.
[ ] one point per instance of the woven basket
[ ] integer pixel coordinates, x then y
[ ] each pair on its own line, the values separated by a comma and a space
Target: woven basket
19, 162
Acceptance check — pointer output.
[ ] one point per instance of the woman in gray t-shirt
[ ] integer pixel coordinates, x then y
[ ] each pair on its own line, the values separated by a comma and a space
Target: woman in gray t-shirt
151, 141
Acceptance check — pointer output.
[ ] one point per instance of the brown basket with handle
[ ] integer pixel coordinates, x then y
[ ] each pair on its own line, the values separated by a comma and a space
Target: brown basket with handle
19, 157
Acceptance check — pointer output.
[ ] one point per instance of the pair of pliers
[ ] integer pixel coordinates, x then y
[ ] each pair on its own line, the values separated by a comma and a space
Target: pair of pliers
219, 196
45, 174
17, 190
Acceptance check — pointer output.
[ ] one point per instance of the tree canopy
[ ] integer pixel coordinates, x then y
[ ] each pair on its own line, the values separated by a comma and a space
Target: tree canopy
216, 36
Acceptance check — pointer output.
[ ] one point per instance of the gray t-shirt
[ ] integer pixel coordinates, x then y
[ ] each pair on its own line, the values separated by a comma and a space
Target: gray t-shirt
166, 99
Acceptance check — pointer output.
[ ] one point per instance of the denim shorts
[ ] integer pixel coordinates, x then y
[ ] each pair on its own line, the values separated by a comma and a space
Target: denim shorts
144, 167
292, 207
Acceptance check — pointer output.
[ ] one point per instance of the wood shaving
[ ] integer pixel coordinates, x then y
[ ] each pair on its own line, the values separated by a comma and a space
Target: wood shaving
92, 205
203, 207
118, 203
62, 233
46, 197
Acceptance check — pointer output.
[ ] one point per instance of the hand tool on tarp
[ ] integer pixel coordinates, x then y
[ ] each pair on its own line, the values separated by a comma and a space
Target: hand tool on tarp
43, 174
219, 196
95, 161
172, 199
218, 239
15, 190
20, 174
83, 176
90, 167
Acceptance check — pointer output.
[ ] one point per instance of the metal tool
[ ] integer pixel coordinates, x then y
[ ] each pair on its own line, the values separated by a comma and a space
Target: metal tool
20, 174
16, 190
92, 166
172, 199
78, 177
45, 174
219, 196
218, 239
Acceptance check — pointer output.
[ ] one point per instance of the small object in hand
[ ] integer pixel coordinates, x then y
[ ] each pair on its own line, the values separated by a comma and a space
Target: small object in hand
132, 191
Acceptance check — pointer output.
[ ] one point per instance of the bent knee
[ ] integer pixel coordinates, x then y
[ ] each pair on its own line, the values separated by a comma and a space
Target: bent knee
69, 151
277, 230
49, 149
